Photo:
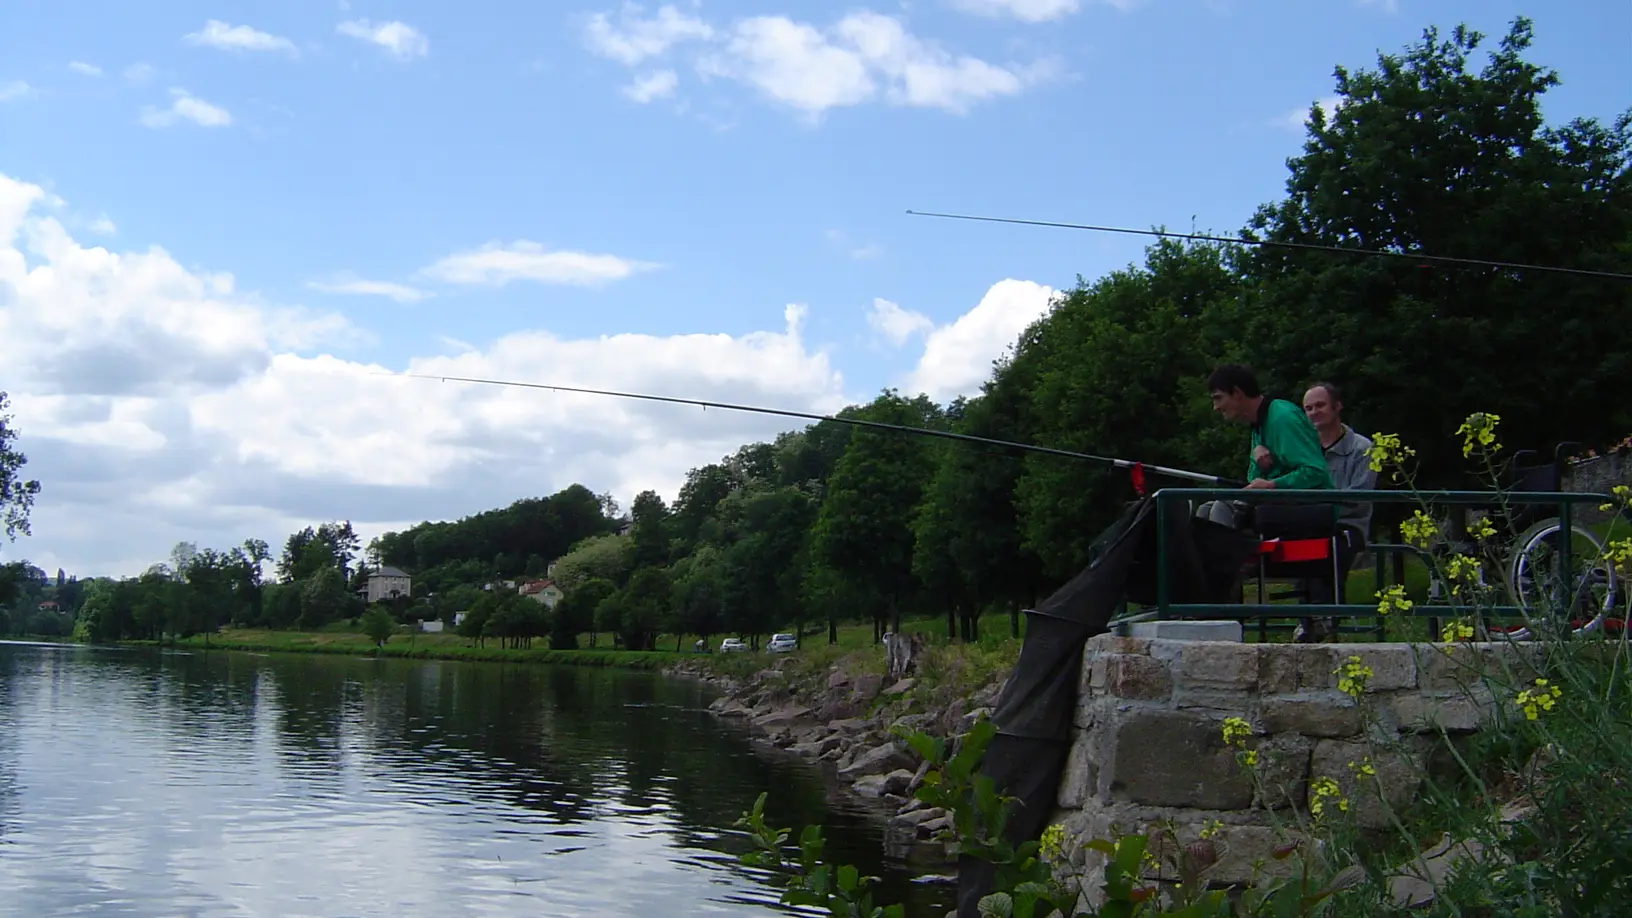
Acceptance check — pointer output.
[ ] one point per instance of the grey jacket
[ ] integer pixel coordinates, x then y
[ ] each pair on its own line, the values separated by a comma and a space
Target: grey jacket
1351, 471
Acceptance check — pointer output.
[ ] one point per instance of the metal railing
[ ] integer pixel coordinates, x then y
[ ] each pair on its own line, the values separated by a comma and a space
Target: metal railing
1564, 501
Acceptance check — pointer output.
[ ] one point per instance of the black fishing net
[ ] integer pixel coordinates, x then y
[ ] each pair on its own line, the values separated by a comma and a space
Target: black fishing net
1034, 714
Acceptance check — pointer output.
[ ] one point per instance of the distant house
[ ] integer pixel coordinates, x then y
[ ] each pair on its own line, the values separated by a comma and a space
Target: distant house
626, 526
49, 606
431, 626
389, 583
544, 591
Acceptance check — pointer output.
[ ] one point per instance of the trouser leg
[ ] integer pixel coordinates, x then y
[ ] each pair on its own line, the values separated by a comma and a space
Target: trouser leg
1350, 542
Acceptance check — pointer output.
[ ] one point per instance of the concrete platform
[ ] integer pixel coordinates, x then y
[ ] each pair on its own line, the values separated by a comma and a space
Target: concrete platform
1185, 630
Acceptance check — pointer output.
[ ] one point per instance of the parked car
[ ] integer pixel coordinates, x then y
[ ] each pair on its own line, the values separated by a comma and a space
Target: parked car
782, 643
733, 645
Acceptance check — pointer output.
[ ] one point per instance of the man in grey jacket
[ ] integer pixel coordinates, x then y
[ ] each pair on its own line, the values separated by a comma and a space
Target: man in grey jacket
1350, 468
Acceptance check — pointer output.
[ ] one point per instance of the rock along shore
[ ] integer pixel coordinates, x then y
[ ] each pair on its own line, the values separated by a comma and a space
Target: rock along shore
843, 723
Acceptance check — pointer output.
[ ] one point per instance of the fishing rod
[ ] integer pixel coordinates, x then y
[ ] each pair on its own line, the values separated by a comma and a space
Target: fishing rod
1137, 467
1307, 246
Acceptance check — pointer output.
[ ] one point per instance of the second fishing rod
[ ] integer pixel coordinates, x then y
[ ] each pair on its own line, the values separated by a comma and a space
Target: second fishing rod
1137, 468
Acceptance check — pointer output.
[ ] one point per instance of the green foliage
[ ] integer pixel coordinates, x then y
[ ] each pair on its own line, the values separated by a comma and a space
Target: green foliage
16, 493
378, 624
839, 891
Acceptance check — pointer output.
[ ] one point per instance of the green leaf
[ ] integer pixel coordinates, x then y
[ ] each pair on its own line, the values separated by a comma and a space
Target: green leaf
848, 878
996, 905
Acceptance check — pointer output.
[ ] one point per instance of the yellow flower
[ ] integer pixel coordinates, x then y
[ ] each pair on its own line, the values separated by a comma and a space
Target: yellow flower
1319, 790
1457, 631
1386, 449
1419, 530
1213, 827
1052, 843
1462, 571
1351, 677
1363, 768
1619, 554
1249, 757
1482, 529
1393, 600
1533, 701
1236, 731
1479, 430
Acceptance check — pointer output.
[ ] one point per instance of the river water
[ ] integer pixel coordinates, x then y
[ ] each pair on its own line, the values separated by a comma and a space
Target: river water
140, 782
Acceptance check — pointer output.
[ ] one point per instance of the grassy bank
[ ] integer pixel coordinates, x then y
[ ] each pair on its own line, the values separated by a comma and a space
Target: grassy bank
421, 647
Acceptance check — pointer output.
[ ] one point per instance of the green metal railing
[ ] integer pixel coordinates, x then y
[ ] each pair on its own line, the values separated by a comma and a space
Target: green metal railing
1564, 501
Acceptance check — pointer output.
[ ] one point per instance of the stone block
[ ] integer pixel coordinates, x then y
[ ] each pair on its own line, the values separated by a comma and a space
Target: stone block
1174, 759
1400, 771
1116, 643
1133, 676
1283, 770
1081, 775
1393, 666
1463, 666
1277, 670
1216, 665
1453, 712
1327, 714
1186, 630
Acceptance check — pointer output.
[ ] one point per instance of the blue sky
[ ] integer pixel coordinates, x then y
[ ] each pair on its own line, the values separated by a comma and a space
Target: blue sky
624, 196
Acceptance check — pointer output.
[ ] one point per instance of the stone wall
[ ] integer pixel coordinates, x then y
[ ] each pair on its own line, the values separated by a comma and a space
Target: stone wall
1598, 475
1150, 751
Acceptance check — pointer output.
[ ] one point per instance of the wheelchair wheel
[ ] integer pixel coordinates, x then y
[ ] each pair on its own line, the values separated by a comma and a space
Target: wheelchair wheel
1535, 575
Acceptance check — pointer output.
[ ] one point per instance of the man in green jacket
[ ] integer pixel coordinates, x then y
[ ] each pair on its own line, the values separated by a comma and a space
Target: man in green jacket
1286, 449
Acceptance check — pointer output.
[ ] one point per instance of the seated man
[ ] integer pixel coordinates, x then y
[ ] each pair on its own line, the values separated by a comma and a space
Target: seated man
1345, 455
1351, 471
1285, 448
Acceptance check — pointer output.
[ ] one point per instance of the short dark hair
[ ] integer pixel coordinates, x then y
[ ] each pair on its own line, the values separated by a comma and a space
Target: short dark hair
1233, 376
1332, 391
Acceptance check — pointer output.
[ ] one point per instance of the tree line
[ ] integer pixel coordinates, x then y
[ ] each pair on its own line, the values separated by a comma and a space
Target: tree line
1426, 153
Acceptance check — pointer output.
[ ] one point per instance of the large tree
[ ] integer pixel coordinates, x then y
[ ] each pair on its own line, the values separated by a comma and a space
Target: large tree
16, 493
1424, 154
864, 525
1117, 370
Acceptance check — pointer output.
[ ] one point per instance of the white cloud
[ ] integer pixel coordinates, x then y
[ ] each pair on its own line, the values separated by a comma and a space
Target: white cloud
80, 67
15, 89
217, 34
402, 41
897, 324
864, 57
1295, 119
659, 84
139, 73
102, 226
860, 252
158, 404
185, 106
1387, 6
495, 264
635, 38
1023, 10
402, 293
958, 357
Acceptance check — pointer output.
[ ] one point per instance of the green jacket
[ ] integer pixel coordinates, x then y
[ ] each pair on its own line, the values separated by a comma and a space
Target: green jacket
1300, 463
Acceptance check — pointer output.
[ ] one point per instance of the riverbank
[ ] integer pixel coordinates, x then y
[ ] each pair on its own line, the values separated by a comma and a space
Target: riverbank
837, 707
420, 647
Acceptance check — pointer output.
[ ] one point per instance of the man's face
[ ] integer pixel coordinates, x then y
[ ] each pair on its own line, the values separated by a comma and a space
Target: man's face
1232, 406
1318, 405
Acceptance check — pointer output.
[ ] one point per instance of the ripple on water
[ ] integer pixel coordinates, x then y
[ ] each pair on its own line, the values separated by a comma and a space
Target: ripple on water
146, 785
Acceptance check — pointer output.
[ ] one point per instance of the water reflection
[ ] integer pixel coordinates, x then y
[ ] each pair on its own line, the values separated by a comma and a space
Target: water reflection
145, 784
